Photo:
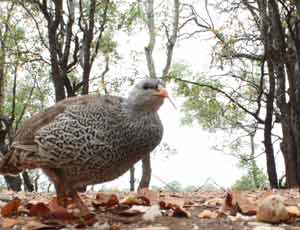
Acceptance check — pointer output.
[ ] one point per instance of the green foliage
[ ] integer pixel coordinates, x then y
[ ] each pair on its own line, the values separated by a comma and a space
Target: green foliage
131, 16
108, 45
246, 182
173, 186
203, 103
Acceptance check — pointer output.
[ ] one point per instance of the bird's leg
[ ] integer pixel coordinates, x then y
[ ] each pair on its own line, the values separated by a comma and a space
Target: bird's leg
84, 211
64, 189
59, 186
61, 194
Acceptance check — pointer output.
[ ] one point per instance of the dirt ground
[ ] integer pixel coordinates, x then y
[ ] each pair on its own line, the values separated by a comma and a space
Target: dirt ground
180, 211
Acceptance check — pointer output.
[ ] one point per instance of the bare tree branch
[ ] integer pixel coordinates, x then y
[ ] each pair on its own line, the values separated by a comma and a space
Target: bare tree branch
149, 4
253, 114
172, 39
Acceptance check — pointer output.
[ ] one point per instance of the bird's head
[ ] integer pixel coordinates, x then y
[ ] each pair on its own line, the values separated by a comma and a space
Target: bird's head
147, 95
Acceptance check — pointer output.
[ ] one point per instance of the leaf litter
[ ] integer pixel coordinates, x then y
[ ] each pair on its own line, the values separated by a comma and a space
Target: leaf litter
178, 211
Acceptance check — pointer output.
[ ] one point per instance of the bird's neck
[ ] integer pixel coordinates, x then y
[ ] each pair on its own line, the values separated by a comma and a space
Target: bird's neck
131, 107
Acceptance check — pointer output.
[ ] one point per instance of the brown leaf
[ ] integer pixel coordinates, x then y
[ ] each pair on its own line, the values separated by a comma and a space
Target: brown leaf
208, 214
136, 200
39, 209
11, 208
244, 205
174, 204
9, 223
106, 200
152, 196
170, 202
115, 227
272, 210
87, 220
214, 202
90, 219
59, 211
236, 202
181, 212
293, 211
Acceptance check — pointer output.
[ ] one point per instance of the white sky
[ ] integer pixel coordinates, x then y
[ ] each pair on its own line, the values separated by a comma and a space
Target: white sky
195, 161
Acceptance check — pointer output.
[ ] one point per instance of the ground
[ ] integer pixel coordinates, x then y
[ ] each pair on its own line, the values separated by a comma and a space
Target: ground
219, 210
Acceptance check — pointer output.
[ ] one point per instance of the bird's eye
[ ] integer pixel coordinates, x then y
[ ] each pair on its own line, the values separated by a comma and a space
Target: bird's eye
147, 86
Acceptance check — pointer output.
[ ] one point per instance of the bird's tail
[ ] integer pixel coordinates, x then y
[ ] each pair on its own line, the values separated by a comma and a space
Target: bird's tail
16, 159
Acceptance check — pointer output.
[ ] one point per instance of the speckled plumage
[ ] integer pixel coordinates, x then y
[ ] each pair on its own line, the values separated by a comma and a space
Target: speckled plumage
88, 139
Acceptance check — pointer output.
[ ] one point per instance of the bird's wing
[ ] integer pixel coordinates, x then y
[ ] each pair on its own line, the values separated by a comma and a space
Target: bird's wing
26, 133
80, 132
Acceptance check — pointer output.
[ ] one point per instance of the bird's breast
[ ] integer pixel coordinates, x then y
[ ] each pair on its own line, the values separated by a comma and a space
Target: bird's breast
143, 135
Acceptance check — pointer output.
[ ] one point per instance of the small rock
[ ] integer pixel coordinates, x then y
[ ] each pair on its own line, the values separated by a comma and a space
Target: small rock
272, 210
240, 217
152, 213
195, 227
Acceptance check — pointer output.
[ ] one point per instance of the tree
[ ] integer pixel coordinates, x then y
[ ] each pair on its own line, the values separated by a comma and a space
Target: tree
74, 34
277, 30
171, 31
12, 57
238, 67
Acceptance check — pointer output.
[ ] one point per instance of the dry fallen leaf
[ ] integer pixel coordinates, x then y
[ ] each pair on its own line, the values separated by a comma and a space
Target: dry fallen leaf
9, 223
214, 202
175, 204
152, 196
272, 210
59, 211
237, 202
208, 214
135, 200
244, 205
169, 202
115, 227
106, 200
181, 212
39, 209
11, 208
293, 211
88, 220
229, 206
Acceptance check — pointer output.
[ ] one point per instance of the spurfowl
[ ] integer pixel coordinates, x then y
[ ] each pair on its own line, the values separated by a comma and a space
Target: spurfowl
89, 139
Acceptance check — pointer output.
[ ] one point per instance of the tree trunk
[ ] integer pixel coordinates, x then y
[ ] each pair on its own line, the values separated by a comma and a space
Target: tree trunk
13, 183
271, 165
286, 64
28, 186
132, 179
146, 177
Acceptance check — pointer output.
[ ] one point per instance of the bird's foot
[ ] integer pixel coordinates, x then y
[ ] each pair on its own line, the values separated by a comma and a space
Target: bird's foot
63, 201
84, 211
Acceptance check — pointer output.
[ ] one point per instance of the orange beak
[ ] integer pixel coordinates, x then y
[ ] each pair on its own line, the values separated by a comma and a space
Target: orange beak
162, 93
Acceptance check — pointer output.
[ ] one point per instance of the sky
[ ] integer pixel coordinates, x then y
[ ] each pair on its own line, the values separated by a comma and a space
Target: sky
196, 160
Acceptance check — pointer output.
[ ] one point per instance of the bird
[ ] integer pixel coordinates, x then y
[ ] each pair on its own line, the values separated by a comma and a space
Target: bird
89, 139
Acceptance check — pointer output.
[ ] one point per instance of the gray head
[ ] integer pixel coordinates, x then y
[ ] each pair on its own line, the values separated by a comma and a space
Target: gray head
147, 95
